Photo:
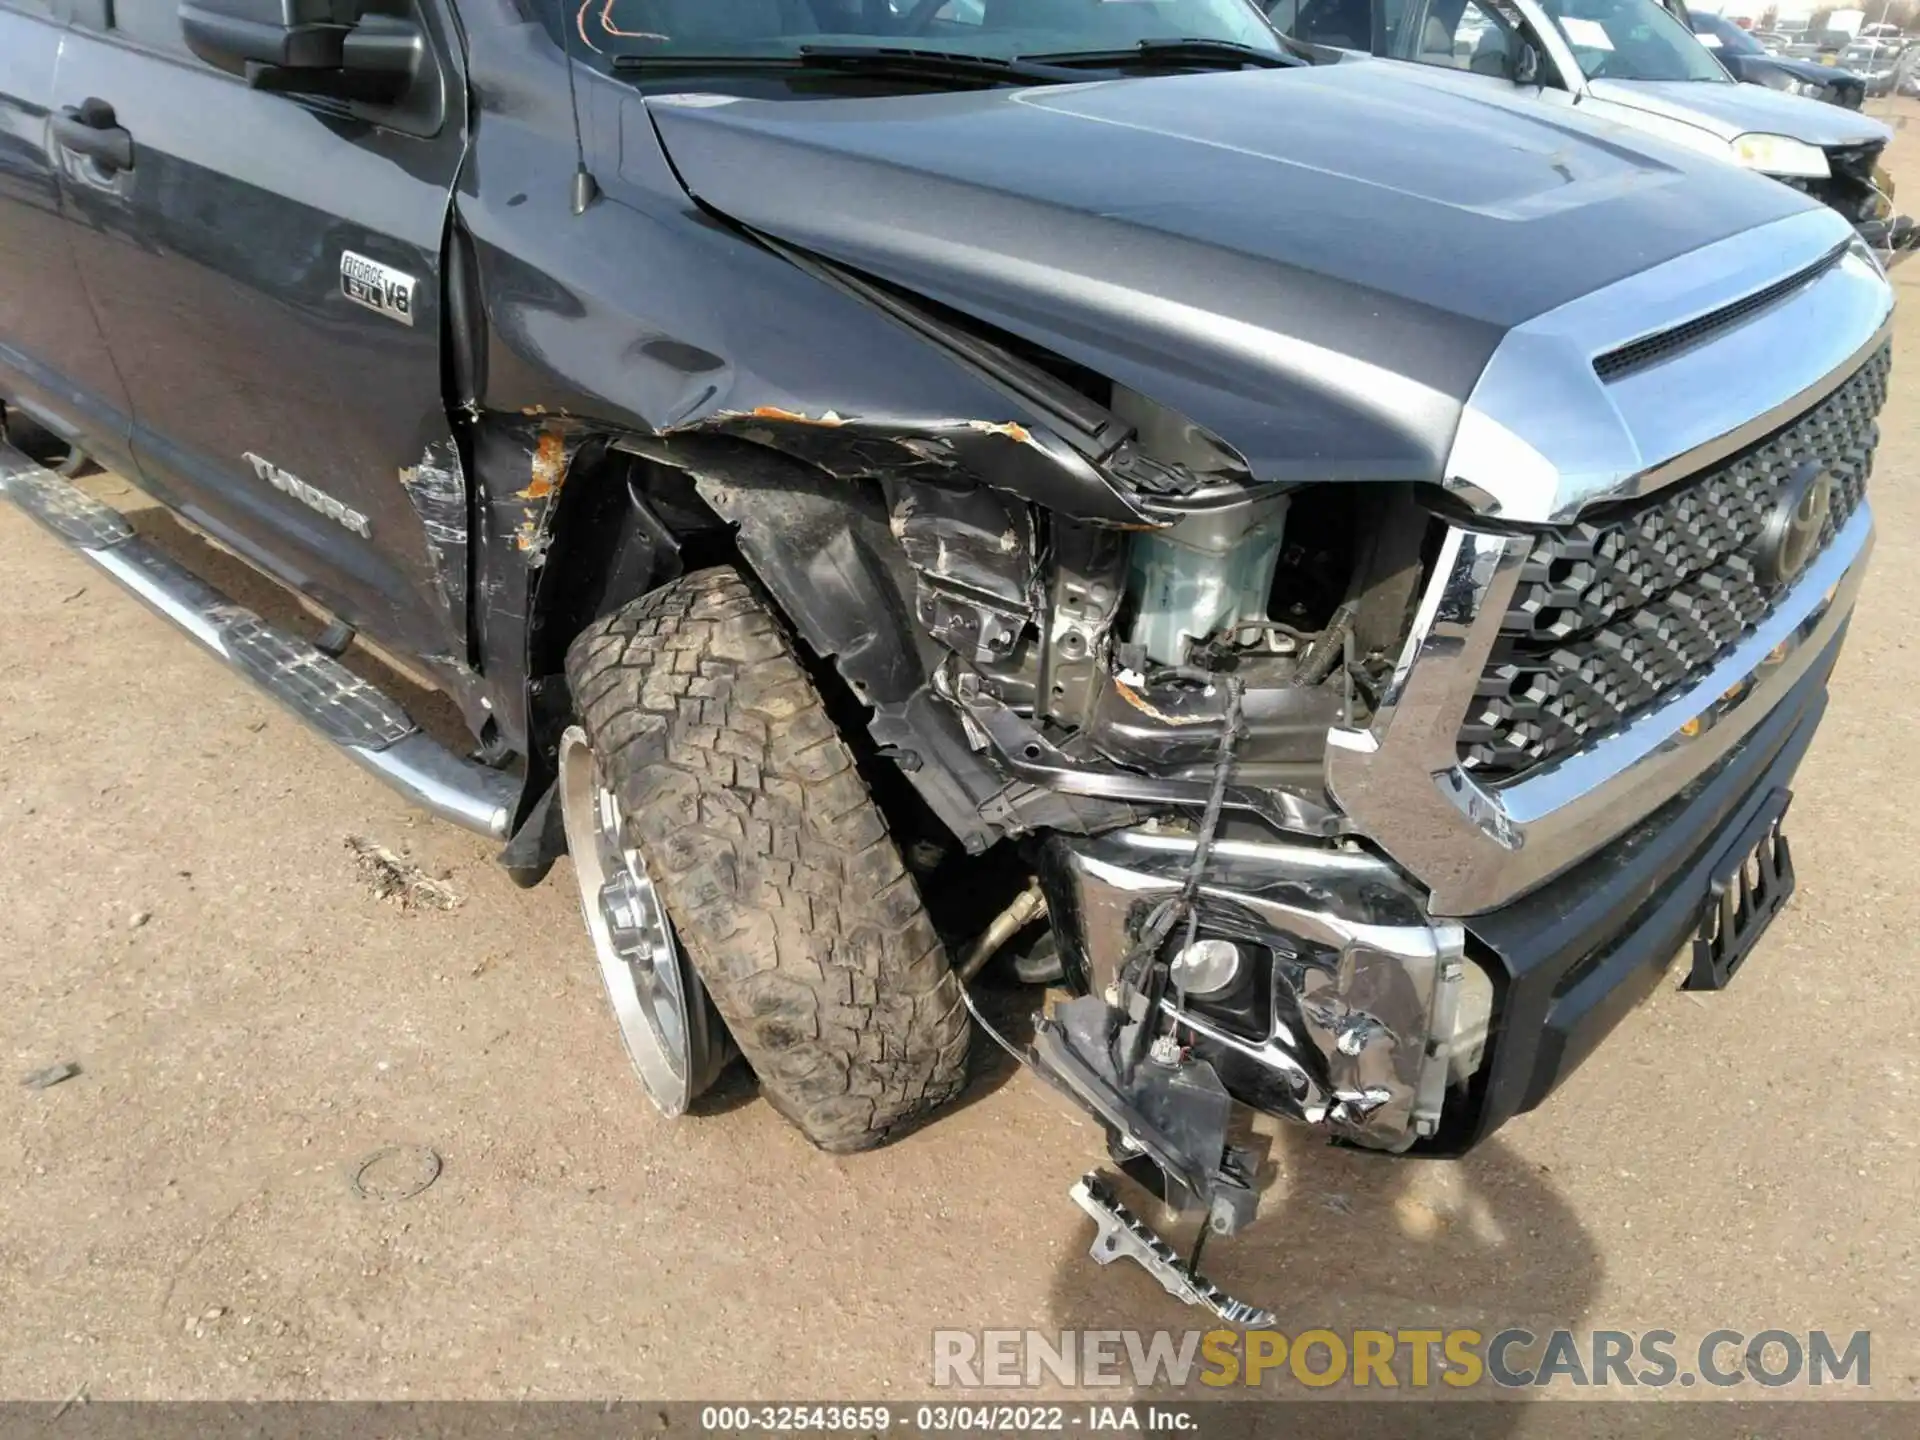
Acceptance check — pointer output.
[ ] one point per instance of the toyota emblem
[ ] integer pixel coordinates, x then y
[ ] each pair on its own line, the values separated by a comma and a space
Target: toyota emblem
1794, 528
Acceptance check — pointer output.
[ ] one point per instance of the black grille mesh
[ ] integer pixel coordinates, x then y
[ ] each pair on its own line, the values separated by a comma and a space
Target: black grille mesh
1611, 614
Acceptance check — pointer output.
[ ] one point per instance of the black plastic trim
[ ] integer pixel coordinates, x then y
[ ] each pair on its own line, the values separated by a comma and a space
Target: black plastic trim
1645, 351
1573, 958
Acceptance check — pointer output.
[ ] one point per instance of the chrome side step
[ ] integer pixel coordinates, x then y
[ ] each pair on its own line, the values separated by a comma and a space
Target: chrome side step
371, 728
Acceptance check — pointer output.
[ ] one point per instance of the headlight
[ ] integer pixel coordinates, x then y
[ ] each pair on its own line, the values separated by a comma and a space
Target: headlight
1791, 85
1780, 155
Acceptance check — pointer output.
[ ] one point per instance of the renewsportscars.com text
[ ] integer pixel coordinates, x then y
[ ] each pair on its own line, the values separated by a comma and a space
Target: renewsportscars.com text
1511, 1359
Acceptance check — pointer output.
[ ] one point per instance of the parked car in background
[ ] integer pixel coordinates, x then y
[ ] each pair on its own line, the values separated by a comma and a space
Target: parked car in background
1636, 63
1772, 41
1819, 45
1746, 59
1881, 63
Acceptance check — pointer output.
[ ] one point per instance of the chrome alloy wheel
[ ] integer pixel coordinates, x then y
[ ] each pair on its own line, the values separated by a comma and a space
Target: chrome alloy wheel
675, 1039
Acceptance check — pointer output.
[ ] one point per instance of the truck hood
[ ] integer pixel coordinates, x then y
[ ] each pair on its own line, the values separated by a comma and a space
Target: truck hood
1313, 264
1730, 110
1811, 70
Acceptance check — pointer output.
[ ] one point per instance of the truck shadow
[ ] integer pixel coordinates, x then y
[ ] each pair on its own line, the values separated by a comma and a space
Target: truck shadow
1349, 1241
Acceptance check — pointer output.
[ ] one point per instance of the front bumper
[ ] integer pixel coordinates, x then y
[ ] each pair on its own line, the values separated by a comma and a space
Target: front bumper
1573, 958
1344, 974
1393, 1028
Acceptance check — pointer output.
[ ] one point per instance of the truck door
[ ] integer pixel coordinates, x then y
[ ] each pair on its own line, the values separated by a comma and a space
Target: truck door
53, 361
267, 273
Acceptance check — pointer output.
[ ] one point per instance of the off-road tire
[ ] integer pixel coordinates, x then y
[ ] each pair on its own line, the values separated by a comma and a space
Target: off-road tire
775, 865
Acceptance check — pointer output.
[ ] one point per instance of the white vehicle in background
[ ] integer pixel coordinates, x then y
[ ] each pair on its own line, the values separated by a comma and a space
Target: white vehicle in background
1638, 64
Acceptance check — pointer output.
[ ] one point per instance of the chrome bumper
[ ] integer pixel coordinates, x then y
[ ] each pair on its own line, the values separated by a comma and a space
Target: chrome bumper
1376, 1012
1477, 846
1363, 1007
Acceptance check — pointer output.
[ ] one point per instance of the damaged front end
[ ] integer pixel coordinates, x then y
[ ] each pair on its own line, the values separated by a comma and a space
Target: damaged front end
1402, 777
1273, 590
1228, 943
1081, 625
1139, 701
1224, 940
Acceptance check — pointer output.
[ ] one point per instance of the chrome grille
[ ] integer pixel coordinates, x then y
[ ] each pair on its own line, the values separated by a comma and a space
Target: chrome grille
1613, 613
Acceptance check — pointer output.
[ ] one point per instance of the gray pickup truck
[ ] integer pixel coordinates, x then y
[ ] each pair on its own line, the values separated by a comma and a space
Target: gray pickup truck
1332, 566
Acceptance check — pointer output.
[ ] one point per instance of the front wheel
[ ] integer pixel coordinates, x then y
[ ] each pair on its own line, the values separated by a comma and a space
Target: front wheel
740, 802
676, 1042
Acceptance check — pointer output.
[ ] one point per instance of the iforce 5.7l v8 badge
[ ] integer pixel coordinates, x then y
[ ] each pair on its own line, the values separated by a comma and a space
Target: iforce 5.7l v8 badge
376, 286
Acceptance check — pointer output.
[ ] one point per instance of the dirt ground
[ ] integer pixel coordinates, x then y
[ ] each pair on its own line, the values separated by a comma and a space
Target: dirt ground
184, 918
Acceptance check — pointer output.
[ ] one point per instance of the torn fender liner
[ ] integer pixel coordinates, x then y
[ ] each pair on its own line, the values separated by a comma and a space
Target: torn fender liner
826, 552
830, 552
974, 558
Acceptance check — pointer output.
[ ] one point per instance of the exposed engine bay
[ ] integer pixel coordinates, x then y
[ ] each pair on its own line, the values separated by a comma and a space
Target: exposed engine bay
1082, 656
1224, 943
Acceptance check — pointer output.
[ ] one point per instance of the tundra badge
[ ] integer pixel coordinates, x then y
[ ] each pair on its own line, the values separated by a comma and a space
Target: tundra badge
376, 286
308, 496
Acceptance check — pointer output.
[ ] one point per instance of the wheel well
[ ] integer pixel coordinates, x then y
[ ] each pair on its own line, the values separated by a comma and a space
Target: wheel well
624, 525
639, 511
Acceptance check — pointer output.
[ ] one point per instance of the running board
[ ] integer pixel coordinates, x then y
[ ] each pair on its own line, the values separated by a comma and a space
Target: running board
1122, 1235
371, 728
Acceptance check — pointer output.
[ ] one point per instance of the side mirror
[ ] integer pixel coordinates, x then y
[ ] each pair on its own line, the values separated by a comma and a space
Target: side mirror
342, 48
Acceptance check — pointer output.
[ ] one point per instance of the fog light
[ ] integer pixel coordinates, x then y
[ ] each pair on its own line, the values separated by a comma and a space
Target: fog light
1206, 967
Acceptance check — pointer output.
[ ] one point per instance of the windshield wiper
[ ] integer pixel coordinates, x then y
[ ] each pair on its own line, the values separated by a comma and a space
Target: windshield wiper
958, 64
869, 60
1191, 51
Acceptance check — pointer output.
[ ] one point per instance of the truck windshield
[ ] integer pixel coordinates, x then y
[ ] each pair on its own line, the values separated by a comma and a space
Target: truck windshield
1719, 33
1632, 40
999, 29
